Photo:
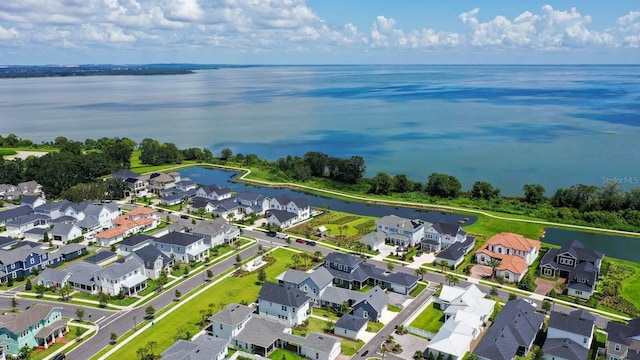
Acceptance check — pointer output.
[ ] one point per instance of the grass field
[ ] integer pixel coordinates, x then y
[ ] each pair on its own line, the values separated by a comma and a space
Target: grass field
630, 288
431, 319
281, 354
343, 229
232, 289
489, 226
7, 152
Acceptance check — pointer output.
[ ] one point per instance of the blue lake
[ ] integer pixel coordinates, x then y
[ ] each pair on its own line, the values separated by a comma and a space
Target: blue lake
225, 178
610, 245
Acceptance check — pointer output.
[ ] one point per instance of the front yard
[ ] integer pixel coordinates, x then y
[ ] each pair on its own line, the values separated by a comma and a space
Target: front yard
431, 319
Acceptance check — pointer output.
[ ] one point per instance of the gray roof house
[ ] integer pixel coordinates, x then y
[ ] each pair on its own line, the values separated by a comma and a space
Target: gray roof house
371, 305
14, 213
126, 275
622, 340
154, 261
350, 326
374, 239
313, 283
182, 247
401, 231
228, 322
439, 236
569, 336
512, 333
454, 254
215, 232
286, 304
203, 347
282, 218
65, 232
78, 274
72, 251
135, 242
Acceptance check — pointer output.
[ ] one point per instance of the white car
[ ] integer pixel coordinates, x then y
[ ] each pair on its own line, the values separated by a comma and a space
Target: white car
282, 236
531, 303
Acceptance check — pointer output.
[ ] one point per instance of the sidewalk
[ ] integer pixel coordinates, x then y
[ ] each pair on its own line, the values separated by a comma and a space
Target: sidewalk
93, 329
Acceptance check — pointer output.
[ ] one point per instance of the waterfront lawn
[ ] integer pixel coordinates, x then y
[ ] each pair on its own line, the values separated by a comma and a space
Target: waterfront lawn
187, 317
343, 229
489, 226
431, 319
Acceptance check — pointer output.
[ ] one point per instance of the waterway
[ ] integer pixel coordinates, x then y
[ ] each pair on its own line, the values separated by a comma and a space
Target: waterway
225, 178
619, 247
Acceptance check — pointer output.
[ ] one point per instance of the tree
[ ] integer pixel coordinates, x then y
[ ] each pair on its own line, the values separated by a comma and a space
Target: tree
452, 279
317, 255
162, 280
25, 352
238, 261
484, 190
142, 352
493, 264
512, 296
493, 291
40, 289
150, 311
209, 274
103, 298
401, 184
113, 337
381, 184
14, 303
152, 345
78, 333
80, 314
226, 154
418, 355
296, 260
538, 354
177, 294
262, 276
546, 305
420, 272
316, 161
183, 333
27, 285
65, 291
304, 256
444, 265
443, 185
390, 266
533, 193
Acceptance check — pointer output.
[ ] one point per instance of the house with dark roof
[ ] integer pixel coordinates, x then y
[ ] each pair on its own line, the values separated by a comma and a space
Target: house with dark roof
135, 242
22, 259
350, 326
313, 283
39, 325
80, 275
36, 234
126, 276
203, 347
282, 218
454, 254
352, 272
25, 223
14, 213
154, 261
623, 341
228, 322
371, 305
569, 336
33, 201
214, 192
580, 266
72, 251
7, 242
401, 231
53, 209
215, 232
299, 206
286, 304
253, 203
439, 236
101, 258
512, 333
182, 247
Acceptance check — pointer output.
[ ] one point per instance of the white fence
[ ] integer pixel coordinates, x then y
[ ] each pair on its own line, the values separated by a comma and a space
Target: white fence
420, 332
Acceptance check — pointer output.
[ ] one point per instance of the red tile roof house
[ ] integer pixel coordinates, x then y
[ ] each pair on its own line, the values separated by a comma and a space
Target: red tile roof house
514, 251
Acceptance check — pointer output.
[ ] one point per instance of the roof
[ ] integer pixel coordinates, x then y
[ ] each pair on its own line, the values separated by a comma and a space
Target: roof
20, 253
261, 331
321, 277
248, 196
374, 297
338, 295
578, 322
622, 334
280, 294
100, 257
19, 322
53, 275
70, 248
282, 215
351, 322
140, 210
28, 219
29, 199
204, 347
398, 222
513, 241
577, 250
516, 325
64, 229
232, 314
149, 254
7, 241
374, 238
82, 272
15, 212
321, 343
120, 268
51, 206
447, 229
88, 223
178, 238
454, 337
136, 239
350, 261
124, 174
565, 349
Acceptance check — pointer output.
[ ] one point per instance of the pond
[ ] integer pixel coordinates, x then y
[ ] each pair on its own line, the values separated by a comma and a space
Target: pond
225, 178
619, 247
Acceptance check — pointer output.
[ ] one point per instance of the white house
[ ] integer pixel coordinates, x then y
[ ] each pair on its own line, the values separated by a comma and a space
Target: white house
401, 231
300, 206
288, 305
182, 247
350, 326
103, 213
439, 236
374, 240
126, 275
65, 232
282, 218
569, 336
214, 192
228, 322
514, 251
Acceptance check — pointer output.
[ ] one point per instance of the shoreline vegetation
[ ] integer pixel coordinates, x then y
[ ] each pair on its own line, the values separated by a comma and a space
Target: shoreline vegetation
40, 71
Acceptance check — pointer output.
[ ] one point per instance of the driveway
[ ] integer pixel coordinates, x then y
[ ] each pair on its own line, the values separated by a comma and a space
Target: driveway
480, 271
410, 344
544, 286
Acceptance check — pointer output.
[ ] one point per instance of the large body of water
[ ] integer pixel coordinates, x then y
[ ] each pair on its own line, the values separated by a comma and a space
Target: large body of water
610, 245
509, 125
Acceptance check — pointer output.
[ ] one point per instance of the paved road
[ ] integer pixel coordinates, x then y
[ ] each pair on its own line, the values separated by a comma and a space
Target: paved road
68, 310
125, 320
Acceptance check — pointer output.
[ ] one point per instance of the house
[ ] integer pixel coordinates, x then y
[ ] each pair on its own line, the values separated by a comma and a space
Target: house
569, 336
37, 234
103, 213
186, 185
286, 304
80, 275
371, 305
401, 231
182, 247
334, 297
7, 243
215, 232
578, 265
25, 223
350, 326
72, 251
14, 213
214, 192
126, 276
282, 218
65, 232
313, 283
203, 347
466, 310
514, 251
226, 208
512, 333
352, 272
39, 325
300, 206
102, 258
253, 203
135, 242
228, 322
21, 260
6, 189
154, 261
439, 236
52, 209
160, 181
262, 335
374, 240
31, 188
136, 183
454, 254
32, 201
623, 341
137, 220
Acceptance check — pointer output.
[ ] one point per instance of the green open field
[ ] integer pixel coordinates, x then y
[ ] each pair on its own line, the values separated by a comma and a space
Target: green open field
343, 229
232, 289
630, 288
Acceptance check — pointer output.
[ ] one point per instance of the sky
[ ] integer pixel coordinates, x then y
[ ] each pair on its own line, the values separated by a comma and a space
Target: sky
319, 32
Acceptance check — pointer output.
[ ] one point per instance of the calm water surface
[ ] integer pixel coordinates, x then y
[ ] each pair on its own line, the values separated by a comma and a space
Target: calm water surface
610, 245
509, 125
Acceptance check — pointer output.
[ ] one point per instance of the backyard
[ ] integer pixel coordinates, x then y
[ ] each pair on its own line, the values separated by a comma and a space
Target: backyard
342, 229
431, 319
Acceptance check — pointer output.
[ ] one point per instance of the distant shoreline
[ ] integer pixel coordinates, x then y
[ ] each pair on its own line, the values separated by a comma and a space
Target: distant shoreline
22, 72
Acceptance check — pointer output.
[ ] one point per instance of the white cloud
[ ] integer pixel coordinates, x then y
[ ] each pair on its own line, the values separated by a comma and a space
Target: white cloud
6, 34
184, 10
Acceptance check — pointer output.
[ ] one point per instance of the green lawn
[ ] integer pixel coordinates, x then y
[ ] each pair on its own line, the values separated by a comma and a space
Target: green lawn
229, 290
350, 347
489, 226
394, 308
373, 326
53, 349
314, 325
281, 354
418, 290
325, 313
630, 288
431, 319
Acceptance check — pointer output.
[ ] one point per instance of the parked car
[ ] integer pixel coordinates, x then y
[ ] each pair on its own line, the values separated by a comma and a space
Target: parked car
531, 303
300, 241
271, 233
60, 356
282, 236
184, 216
311, 243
